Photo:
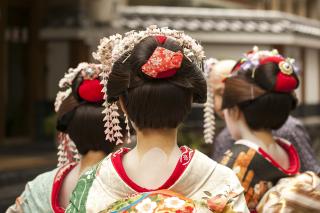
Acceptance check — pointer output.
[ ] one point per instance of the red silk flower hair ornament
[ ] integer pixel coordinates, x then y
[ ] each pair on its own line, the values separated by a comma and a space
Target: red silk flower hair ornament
163, 63
91, 90
285, 81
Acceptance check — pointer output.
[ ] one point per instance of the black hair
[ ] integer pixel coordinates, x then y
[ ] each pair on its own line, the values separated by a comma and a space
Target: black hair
263, 108
155, 103
86, 129
83, 122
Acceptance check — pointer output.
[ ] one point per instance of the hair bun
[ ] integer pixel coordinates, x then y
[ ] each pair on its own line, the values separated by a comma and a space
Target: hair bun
163, 63
276, 74
91, 91
269, 70
285, 83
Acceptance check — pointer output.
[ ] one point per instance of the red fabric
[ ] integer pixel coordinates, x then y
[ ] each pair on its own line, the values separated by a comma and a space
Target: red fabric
161, 39
236, 67
185, 159
91, 90
285, 83
294, 160
57, 184
163, 63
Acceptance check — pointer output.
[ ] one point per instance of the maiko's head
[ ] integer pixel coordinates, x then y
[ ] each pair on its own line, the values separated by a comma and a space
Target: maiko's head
80, 110
260, 91
157, 83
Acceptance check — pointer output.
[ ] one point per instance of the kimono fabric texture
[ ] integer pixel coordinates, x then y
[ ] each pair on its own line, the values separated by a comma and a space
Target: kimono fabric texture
256, 170
202, 184
299, 194
293, 131
156, 74
42, 193
78, 102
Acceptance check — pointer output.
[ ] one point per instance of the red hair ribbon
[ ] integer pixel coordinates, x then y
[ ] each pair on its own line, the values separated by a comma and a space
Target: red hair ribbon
163, 63
91, 90
285, 81
161, 39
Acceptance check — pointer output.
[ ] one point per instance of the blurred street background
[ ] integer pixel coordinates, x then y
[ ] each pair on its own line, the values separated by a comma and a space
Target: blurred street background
41, 39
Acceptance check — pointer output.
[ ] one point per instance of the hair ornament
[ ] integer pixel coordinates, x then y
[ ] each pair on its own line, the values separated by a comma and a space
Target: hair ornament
163, 63
161, 39
208, 110
67, 150
112, 48
286, 66
87, 71
285, 83
89, 90
191, 48
252, 59
285, 80
208, 65
106, 54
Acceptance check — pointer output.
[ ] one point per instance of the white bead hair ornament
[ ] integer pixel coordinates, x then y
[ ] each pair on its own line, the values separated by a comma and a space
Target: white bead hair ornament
88, 71
113, 47
67, 151
208, 111
104, 54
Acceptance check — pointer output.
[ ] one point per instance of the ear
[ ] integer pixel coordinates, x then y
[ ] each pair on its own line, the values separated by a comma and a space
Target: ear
235, 113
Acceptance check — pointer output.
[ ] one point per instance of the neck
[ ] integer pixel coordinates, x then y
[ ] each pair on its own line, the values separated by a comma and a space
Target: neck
262, 138
90, 159
154, 158
165, 139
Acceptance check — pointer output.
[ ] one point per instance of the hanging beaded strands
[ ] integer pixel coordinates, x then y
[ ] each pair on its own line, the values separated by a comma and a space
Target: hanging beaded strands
105, 54
208, 110
68, 98
191, 50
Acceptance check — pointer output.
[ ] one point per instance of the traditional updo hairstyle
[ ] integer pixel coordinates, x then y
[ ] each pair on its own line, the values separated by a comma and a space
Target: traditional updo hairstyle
155, 102
264, 91
80, 116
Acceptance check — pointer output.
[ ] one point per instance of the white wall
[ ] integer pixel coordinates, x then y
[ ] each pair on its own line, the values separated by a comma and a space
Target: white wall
57, 63
228, 51
312, 76
295, 52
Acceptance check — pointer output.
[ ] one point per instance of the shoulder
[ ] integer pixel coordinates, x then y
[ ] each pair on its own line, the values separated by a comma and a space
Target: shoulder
223, 137
292, 126
228, 177
292, 121
37, 193
45, 176
221, 175
40, 184
238, 152
223, 183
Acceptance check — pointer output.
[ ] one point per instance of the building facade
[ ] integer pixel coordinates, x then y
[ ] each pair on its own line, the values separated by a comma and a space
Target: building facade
41, 41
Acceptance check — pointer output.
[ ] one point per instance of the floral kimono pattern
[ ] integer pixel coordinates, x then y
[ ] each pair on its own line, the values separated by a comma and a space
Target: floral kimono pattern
197, 184
256, 169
